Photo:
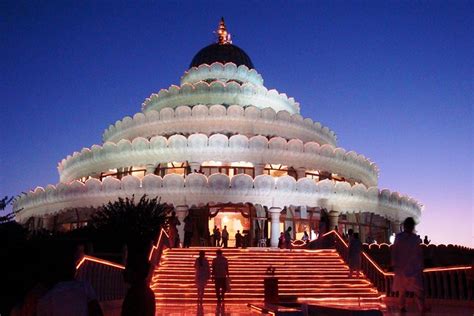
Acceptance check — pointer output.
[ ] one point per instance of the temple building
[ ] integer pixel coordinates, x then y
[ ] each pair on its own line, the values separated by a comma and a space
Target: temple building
226, 150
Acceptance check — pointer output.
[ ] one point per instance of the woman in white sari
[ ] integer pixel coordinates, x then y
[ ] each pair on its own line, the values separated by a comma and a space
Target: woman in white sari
201, 266
407, 262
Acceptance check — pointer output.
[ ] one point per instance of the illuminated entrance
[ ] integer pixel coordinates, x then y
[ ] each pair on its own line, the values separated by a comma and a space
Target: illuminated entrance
235, 217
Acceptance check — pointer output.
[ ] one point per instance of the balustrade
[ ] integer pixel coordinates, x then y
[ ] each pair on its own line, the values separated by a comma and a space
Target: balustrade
162, 243
454, 283
104, 276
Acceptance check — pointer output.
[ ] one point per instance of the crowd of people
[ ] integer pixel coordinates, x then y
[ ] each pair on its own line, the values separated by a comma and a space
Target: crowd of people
58, 291
219, 238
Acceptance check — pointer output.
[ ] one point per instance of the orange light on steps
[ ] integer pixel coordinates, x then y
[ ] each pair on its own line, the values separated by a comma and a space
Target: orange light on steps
447, 269
155, 247
324, 299
98, 260
259, 309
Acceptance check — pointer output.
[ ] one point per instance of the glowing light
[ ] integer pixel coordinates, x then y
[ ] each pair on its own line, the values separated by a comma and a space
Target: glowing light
100, 261
155, 247
446, 269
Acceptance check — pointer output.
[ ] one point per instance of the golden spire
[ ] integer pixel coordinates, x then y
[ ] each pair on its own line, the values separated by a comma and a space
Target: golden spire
223, 37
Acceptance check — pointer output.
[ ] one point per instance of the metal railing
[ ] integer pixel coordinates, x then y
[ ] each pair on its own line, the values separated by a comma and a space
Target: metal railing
455, 283
162, 243
105, 277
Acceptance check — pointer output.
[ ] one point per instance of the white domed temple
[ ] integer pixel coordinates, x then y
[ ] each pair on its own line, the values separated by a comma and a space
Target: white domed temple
226, 150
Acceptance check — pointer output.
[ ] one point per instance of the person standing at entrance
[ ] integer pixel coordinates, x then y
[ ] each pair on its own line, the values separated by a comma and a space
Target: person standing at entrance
217, 237
238, 239
225, 237
173, 221
288, 238
281, 241
355, 251
220, 273
407, 262
214, 230
201, 266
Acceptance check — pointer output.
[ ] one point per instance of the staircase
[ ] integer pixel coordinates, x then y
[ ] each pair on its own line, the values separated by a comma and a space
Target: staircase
311, 274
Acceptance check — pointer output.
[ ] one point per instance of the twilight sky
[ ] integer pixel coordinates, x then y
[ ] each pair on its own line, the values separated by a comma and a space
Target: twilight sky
394, 80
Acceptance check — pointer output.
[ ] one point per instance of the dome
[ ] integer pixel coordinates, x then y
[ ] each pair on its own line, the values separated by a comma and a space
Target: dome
223, 53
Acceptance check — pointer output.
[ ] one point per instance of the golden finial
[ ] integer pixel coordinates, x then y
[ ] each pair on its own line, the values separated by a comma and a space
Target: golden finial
223, 37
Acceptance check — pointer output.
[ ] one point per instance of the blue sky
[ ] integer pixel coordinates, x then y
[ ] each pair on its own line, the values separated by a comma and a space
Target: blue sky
393, 79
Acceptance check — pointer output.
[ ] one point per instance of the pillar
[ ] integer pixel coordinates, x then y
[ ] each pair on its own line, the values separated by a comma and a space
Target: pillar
290, 220
181, 213
300, 173
150, 169
194, 166
275, 225
303, 212
259, 168
333, 219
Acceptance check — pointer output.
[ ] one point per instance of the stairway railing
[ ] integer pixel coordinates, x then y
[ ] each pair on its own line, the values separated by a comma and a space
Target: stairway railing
454, 283
162, 243
105, 277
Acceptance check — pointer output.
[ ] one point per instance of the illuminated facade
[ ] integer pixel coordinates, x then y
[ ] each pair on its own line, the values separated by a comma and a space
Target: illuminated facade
226, 150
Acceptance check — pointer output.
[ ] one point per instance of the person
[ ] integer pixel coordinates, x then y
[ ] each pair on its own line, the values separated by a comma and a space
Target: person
140, 299
288, 238
426, 241
173, 221
201, 267
188, 231
220, 275
214, 231
407, 262
217, 238
238, 239
350, 233
68, 296
225, 237
281, 241
355, 250
305, 237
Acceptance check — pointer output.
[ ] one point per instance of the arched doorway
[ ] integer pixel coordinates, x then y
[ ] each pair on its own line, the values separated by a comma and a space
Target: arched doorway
235, 217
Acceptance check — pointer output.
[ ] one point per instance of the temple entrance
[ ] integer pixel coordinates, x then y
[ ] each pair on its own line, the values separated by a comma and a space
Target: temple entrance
235, 217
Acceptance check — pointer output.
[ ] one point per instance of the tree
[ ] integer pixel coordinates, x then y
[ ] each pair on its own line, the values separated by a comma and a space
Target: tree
3, 203
130, 223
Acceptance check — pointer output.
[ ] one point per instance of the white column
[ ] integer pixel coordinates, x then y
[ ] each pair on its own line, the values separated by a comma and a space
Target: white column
181, 212
259, 168
300, 172
150, 169
275, 225
303, 212
333, 219
195, 166
290, 214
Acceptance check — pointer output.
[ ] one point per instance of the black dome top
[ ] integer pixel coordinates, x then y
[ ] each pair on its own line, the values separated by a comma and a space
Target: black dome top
223, 53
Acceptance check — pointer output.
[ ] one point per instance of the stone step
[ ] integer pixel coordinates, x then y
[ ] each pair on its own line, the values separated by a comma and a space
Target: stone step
311, 274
